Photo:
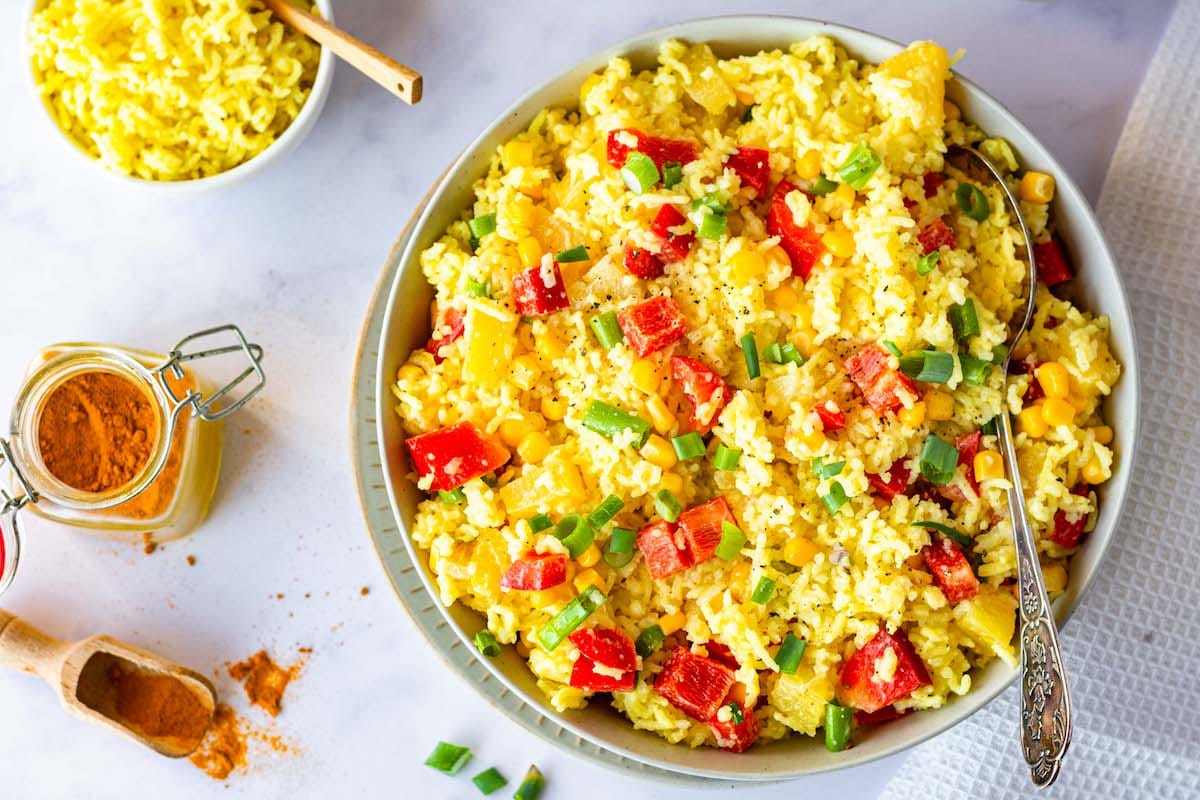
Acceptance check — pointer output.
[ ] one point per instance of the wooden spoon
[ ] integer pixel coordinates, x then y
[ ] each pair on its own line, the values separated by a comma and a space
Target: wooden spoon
391, 75
84, 673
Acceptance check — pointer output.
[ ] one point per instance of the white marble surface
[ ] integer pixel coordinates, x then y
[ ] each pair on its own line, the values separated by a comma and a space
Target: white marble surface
292, 256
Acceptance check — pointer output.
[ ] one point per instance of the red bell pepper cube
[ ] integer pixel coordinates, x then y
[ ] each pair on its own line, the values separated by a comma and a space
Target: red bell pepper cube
707, 391
894, 482
1052, 265
721, 654
540, 290
652, 325
455, 455
732, 735
858, 687
449, 330
675, 245
882, 384
802, 245
932, 182
968, 448
885, 714
936, 234
641, 263
701, 527
608, 647
752, 165
832, 418
951, 571
664, 557
535, 572
660, 149
693, 684
584, 676
1069, 525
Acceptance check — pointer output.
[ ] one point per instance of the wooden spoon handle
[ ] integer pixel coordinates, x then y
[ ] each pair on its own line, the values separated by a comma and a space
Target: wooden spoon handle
26, 649
391, 75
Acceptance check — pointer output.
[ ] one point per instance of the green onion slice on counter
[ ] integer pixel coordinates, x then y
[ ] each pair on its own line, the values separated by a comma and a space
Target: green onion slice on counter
531, 787
448, 758
488, 781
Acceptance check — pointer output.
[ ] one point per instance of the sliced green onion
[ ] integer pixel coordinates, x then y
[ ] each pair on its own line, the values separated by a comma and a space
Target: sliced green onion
764, 591
823, 470
540, 522
773, 353
618, 560
962, 539
710, 224
576, 253
452, 497
964, 320
784, 567
482, 226
688, 446
488, 781
620, 548
531, 787
791, 355
930, 366
836, 497
571, 617
666, 505
892, 348
608, 421
999, 353
859, 166
711, 201
672, 174
748, 114
972, 201
605, 512
989, 428
479, 289
448, 758
726, 458
485, 643
735, 713
474, 242
928, 262
790, 653
639, 173
649, 640
607, 329
732, 541
575, 534
822, 186
750, 352
837, 727
975, 371
938, 460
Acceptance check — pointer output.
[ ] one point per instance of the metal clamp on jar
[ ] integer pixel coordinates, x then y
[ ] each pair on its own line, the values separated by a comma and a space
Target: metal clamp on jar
159, 465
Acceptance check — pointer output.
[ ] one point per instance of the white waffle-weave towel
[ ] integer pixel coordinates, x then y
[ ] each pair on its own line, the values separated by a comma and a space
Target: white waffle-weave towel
1133, 647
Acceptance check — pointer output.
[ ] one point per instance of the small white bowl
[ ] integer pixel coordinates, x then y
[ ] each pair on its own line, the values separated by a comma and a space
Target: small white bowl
292, 136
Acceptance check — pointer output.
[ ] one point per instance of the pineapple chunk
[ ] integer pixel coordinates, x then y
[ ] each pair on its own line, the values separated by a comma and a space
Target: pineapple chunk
912, 85
555, 485
490, 333
704, 83
800, 699
991, 618
485, 561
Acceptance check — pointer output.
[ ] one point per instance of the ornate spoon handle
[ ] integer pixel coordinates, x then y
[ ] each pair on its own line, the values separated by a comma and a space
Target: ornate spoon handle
1045, 699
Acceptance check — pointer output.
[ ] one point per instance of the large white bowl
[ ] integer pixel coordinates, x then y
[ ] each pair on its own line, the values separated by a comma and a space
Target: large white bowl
287, 141
406, 326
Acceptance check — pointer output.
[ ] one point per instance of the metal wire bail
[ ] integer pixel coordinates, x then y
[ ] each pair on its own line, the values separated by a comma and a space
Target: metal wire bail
30, 494
203, 407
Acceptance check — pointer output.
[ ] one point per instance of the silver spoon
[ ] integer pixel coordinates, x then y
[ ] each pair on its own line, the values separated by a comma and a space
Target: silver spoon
1045, 699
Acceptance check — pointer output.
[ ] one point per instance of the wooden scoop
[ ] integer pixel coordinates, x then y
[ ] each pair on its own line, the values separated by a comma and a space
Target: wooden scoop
92, 677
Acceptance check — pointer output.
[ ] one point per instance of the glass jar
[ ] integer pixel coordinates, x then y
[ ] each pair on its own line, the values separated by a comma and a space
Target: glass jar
170, 492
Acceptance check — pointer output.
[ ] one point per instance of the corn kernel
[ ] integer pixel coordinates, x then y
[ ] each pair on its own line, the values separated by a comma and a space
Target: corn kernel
1032, 423
814, 440
988, 465
746, 266
533, 447
514, 429
1057, 411
809, 165
589, 83
554, 407
589, 577
549, 345
784, 298
517, 154
841, 200
411, 372
1055, 576
525, 371
522, 650
1054, 379
799, 551
520, 212
805, 340
645, 376
659, 452
1037, 187
589, 557
1094, 472
1103, 434
912, 417
671, 623
839, 240
672, 482
939, 406
558, 596
660, 415
951, 110
530, 252
532, 188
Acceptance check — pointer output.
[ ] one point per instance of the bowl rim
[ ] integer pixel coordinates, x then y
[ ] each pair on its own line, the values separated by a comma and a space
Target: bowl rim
285, 142
1116, 490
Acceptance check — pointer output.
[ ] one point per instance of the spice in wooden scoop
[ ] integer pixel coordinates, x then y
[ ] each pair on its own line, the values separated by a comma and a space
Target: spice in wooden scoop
158, 706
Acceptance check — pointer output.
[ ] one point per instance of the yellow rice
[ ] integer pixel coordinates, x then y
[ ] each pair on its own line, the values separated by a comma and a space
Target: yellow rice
811, 97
